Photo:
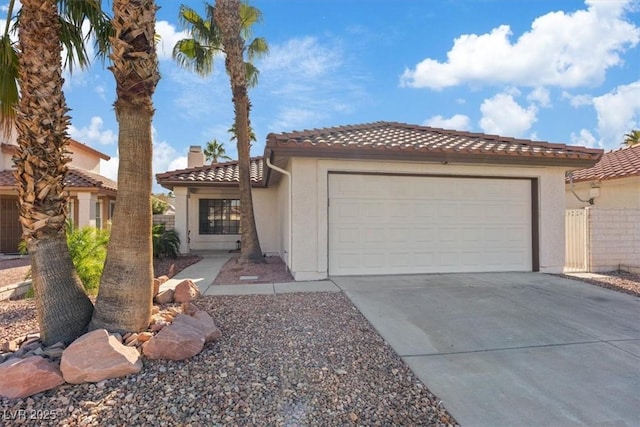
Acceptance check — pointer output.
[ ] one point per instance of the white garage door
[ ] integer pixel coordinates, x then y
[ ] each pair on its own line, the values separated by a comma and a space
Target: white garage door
398, 224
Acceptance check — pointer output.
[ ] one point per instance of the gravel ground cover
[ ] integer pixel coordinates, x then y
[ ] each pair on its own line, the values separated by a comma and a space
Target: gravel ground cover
283, 360
274, 270
620, 281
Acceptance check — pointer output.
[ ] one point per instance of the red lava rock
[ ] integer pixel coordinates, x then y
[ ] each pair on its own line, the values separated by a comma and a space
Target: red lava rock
156, 286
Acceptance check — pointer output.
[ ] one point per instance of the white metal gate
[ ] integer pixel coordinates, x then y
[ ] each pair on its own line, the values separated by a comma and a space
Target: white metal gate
577, 240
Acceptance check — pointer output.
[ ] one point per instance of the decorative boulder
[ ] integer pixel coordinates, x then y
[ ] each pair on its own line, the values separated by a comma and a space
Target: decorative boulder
178, 341
98, 356
186, 291
209, 329
164, 297
20, 378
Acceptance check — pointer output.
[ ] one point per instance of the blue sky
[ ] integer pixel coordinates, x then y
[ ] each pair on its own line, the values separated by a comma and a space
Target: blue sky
565, 72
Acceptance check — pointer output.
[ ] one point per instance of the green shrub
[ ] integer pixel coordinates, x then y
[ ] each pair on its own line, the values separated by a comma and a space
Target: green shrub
88, 249
158, 206
166, 243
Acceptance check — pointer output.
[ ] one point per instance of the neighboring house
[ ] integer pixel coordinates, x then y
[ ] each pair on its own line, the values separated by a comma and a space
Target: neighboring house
603, 216
91, 196
388, 198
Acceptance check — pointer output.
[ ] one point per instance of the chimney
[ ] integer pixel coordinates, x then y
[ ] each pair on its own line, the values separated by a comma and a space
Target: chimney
195, 158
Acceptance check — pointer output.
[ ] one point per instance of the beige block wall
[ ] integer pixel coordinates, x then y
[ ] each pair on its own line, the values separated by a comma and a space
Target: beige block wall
614, 238
310, 194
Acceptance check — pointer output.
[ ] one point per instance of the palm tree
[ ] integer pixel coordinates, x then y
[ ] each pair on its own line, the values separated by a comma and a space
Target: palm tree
632, 138
215, 151
208, 38
125, 295
63, 308
228, 20
72, 14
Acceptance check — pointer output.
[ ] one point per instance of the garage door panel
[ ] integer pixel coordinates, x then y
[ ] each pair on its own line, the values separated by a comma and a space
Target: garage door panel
428, 224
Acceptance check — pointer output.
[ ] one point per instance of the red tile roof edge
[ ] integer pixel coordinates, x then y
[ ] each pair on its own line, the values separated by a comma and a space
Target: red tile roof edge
620, 163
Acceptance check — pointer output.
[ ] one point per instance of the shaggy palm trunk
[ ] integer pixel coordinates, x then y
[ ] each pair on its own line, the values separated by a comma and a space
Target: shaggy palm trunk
227, 18
63, 308
126, 289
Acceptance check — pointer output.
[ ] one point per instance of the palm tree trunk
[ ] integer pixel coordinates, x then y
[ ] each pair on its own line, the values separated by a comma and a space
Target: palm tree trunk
63, 308
227, 18
126, 288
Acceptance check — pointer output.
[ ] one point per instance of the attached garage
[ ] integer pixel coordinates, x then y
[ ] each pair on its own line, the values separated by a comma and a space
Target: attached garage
394, 224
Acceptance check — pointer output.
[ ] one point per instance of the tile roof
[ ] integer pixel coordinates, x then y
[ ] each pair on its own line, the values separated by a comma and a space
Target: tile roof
392, 139
620, 163
217, 173
75, 178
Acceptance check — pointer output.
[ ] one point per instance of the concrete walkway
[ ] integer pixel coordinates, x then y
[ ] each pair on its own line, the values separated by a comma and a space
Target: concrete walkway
205, 271
512, 349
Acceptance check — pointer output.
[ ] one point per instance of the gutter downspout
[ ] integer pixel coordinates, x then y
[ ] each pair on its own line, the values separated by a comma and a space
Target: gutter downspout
590, 201
288, 174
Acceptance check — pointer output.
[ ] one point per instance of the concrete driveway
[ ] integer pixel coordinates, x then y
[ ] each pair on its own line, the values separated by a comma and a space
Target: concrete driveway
512, 349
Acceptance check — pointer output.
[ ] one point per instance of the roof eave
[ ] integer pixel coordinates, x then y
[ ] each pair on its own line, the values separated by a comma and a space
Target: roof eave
584, 161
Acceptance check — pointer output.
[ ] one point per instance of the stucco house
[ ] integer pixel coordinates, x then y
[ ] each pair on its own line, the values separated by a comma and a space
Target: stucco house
603, 213
388, 198
91, 196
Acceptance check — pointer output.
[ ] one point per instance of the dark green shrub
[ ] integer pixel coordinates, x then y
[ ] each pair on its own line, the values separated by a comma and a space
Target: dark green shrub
166, 243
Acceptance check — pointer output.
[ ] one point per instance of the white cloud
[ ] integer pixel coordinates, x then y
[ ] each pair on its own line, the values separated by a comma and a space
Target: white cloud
577, 100
456, 122
541, 96
94, 133
502, 115
561, 49
584, 138
168, 39
309, 81
618, 113
306, 56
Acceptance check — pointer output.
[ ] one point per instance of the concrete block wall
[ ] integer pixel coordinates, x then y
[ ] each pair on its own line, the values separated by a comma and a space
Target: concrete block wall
169, 221
614, 238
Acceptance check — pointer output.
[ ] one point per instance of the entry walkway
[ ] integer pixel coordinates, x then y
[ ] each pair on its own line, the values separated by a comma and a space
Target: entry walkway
205, 271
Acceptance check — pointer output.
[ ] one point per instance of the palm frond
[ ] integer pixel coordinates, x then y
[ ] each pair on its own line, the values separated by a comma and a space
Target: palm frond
258, 48
191, 55
9, 94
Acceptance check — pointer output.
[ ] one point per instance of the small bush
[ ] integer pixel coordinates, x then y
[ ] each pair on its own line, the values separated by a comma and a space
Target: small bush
158, 206
88, 249
166, 243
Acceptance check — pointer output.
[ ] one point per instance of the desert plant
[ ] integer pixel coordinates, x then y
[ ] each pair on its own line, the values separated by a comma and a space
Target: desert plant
166, 243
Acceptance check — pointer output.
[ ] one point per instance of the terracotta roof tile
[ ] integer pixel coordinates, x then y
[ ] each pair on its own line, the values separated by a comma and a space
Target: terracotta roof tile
393, 137
217, 173
620, 163
76, 178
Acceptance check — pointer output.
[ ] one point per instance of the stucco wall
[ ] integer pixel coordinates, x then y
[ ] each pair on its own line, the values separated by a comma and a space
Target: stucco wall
613, 194
310, 195
614, 238
266, 212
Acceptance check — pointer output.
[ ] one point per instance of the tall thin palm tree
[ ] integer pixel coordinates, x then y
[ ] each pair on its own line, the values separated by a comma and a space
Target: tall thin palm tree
229, 22
63, 308
632, 138
125, 295
214, 151
209, 39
